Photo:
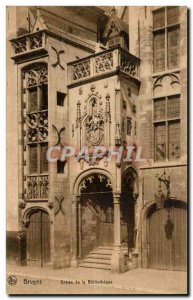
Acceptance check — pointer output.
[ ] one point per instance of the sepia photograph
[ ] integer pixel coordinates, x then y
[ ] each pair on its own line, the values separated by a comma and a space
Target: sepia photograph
97, 150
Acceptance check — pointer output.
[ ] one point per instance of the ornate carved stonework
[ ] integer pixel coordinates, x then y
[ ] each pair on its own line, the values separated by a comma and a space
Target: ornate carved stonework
100, 178
37, 75
32, 187
104, 62
27, 43
117, 134
81, 70
37, 187
35, 40
128, 64
94, 129
22, 204
37, 124
20, 45
78, 115
113, 30
108, 109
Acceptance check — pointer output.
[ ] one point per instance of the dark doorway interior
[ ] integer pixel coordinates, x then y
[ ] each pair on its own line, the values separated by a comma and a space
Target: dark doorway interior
96, 214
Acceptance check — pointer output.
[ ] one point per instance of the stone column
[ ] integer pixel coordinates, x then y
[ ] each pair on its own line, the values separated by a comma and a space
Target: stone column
118, 261
74, 260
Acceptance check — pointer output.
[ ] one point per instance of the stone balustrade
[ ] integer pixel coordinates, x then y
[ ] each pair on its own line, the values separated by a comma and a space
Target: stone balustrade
104, 62
28, 42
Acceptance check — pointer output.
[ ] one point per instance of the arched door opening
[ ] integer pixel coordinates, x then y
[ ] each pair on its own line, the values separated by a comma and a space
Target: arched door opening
95, 214
167, 236
128, 211
38, 239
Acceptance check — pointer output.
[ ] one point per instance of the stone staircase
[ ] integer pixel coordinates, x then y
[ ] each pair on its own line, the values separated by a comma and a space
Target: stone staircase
99, 258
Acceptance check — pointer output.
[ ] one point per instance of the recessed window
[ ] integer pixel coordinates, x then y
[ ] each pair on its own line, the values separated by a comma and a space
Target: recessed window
33, 99
43, 158
60, 98
129, 125
60, 166
33, 155
44, 97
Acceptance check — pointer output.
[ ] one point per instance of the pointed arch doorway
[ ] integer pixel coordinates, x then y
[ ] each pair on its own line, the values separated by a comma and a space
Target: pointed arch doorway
167, 236
95, 214
38, 239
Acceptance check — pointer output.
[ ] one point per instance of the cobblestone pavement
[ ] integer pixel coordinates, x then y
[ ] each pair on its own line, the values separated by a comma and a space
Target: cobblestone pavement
34, 280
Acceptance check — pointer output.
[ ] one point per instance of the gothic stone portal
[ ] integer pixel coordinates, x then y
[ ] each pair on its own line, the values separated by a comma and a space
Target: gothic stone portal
96, 214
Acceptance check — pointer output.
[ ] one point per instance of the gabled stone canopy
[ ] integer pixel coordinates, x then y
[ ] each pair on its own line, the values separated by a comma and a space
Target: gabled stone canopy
115, 27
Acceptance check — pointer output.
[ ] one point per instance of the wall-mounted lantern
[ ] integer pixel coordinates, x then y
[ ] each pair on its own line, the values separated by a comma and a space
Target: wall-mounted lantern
161, 196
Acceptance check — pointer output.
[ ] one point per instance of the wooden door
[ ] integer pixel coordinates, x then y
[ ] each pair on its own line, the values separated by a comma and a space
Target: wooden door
38, 239
167, 237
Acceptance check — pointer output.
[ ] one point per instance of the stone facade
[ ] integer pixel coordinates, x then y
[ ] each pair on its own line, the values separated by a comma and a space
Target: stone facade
89, 81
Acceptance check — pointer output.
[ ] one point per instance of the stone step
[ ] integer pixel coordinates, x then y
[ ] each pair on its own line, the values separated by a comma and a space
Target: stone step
95, 266
97, 260
102, 251
106, 247
99, 256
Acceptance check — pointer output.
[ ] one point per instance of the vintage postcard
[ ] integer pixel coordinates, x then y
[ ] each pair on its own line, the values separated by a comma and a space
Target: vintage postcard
97, 118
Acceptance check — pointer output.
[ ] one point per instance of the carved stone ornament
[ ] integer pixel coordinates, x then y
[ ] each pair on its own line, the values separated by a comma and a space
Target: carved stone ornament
37, 187
128, 64
81, 70
35, 40
51, 205
94, 129
37, 127
90, 179
37, 75
117, 134
104, 63
22, 204
108, 109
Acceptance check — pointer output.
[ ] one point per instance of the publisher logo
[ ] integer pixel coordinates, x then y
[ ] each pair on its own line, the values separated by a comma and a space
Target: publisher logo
12, 280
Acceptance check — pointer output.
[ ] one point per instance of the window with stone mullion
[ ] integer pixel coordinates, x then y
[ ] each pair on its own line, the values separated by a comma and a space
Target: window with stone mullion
37, 102
167, 128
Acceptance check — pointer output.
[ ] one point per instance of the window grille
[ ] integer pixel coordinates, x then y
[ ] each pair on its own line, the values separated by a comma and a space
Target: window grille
33, 154
172, 15
173, 47
160, 142
43, 159
166, 40
174, 140
173, 107
159, 18
159, 109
